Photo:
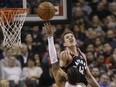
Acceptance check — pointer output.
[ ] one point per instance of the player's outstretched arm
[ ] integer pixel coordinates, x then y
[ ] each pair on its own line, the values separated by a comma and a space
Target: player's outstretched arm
52, 51
58, 74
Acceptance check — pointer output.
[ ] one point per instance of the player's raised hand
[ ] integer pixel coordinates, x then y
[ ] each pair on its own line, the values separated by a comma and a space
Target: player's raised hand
49, 29
65, 56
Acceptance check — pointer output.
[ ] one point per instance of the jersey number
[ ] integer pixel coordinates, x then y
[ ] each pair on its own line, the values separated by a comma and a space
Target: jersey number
81, 69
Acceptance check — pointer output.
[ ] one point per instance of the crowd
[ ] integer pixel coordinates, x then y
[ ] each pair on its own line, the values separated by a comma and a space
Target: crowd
94, 26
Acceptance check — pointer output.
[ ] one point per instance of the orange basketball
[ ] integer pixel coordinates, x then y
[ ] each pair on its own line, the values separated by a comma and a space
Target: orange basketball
46, 10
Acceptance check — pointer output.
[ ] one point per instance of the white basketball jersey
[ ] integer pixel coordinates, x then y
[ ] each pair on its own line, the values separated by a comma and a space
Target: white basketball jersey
69, 85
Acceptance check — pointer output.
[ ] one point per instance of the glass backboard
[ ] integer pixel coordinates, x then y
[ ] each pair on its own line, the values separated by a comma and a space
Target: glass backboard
62, 7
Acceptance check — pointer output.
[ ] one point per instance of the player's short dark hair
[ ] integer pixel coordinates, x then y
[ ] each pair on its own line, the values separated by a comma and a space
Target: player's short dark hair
73, 75
64, 33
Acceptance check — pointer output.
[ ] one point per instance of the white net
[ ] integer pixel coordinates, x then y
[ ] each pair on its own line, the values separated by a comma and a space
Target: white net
11, 23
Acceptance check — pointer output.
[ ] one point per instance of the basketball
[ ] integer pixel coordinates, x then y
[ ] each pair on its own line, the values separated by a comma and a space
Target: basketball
45, 10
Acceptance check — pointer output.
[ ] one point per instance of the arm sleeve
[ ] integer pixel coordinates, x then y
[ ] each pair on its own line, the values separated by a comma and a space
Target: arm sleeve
52, 50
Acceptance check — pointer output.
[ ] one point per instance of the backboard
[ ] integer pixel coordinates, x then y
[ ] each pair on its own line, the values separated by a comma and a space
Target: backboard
12, 19
62, 14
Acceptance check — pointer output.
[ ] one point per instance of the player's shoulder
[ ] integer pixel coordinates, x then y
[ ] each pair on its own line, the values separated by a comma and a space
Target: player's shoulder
83, 54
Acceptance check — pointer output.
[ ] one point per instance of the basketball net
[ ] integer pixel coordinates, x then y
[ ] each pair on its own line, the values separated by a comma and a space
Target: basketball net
11, 22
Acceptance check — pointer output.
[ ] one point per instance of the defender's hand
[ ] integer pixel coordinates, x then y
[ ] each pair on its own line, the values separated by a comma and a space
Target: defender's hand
49, 29
65, 55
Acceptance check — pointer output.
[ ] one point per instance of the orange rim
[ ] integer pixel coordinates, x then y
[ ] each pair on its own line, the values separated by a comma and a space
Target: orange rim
13, 9
8, 12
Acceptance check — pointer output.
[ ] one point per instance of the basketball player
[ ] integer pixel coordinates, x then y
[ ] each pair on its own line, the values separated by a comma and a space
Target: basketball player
57, 71
72, 56
61, 78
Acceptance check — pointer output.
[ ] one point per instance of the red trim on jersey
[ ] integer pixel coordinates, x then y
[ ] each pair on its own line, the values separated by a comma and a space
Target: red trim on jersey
68, 63
81, 53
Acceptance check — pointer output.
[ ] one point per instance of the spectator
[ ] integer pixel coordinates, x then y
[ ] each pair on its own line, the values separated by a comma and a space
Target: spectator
38, 40
36, 35
96, 73
33, 5
7, 54
107, 51
112, 84
24, 56
113, 60
90, 48
105, 3
110, 22
100, 64
29, 43
79, 32
24, 32
13, 73
101, 11
97, 25
113, 8
37, 59
58, 31
79, 17
111, 38
98, 45
32, 74
96, 22
104, 80
113, 76
90, 36
90, 59
85, 7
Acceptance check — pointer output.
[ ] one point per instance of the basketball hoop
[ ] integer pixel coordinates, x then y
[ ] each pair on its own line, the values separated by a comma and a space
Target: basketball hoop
11, 22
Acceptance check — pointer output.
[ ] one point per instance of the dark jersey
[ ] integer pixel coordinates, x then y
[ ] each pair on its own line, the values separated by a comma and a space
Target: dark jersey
80, 63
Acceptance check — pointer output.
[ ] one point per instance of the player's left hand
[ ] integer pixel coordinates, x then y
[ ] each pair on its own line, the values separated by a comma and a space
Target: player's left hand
49, 29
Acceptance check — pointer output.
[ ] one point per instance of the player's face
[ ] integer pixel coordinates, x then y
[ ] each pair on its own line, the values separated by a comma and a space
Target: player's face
69, 40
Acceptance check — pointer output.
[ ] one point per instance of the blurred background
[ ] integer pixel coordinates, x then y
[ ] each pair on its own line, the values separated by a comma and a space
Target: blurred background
94, 25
